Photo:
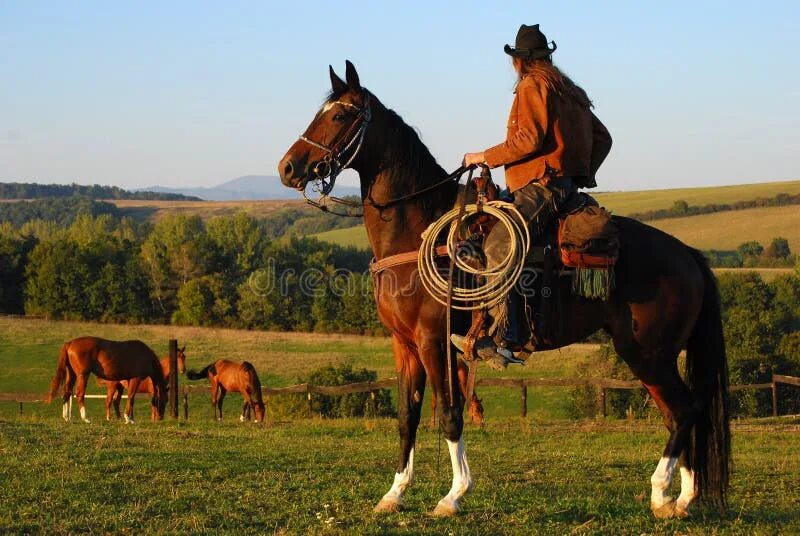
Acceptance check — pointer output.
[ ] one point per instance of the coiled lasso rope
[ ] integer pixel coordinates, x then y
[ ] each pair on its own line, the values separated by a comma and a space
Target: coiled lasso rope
498, 281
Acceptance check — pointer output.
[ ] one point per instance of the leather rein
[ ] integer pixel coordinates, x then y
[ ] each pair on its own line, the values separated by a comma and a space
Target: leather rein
333, 163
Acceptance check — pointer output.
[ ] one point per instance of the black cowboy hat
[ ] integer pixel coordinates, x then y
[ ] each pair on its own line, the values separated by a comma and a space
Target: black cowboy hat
531, 44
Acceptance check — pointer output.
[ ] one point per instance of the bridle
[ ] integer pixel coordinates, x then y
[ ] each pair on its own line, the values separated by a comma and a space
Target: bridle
328, 169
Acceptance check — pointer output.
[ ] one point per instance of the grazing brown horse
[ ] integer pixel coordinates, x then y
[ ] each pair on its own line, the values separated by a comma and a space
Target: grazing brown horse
132, 361
114, 389
665, 299
234, 377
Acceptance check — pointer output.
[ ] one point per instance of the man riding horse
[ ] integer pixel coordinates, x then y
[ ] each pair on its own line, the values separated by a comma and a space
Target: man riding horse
554, 145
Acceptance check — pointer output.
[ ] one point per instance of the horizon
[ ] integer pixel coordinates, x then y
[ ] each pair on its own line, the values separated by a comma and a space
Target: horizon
188, 95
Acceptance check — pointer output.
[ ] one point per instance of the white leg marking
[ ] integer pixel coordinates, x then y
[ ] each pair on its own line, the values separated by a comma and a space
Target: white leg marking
401, 483
688, 492
661, 481
462, 480
128, 420
65, 411
241, 418
83, 415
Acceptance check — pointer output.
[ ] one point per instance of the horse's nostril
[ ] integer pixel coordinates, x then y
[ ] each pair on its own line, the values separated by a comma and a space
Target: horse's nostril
288, 168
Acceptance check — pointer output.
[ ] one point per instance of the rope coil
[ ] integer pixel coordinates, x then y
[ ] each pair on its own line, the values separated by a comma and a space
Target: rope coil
498, 281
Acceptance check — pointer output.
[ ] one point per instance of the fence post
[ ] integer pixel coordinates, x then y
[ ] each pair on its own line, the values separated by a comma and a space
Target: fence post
774, 399
373, 404
20, 409
524, 401
173, 378
603, 401
185, 404
310, 409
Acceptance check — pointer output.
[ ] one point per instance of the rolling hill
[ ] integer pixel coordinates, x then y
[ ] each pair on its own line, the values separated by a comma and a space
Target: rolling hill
248, 187
721, 230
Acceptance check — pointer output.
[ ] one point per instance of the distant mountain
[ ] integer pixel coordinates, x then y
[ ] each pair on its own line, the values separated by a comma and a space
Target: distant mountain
249, 187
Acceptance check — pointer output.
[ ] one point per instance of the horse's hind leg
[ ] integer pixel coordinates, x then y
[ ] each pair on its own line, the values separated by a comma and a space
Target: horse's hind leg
117, 400
220, 399
411, 390
111, 391
674, 400
80, 393
69, 385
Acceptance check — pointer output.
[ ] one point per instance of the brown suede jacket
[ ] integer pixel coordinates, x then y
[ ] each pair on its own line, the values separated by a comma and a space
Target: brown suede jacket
549, 135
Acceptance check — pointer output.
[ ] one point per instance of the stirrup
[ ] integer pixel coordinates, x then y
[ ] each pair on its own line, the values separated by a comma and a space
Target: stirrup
485, 349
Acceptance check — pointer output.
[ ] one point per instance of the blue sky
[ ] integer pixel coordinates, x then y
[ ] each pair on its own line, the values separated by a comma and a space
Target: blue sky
196, 93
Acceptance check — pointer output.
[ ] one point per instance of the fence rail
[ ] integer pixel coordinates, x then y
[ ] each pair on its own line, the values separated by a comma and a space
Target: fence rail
604, 384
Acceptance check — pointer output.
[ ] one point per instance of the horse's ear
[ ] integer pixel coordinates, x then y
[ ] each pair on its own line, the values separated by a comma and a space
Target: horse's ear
183, 349
352, 76
337, 84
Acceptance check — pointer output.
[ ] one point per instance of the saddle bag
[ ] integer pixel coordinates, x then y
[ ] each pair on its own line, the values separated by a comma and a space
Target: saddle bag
588, 241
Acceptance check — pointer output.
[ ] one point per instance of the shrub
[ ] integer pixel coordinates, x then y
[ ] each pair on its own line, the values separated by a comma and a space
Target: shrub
349, 405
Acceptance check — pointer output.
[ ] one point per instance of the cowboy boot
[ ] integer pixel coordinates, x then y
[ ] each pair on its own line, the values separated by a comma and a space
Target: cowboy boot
485, 349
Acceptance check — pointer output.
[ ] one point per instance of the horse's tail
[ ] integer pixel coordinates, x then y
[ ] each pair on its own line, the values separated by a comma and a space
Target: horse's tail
61, 372
255, 383
192, 375
707, 374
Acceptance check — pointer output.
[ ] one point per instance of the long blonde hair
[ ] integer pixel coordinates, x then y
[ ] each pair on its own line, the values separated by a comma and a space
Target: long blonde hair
553, 77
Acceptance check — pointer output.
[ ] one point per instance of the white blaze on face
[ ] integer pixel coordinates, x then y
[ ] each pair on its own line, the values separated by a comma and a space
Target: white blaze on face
661, 480
401, 482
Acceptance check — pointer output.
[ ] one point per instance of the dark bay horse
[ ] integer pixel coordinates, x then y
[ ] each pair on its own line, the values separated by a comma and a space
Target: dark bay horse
114, 388
666, 299
132, 361
232, 376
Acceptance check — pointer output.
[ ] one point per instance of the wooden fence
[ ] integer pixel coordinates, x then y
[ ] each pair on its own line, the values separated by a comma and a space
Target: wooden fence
372, 387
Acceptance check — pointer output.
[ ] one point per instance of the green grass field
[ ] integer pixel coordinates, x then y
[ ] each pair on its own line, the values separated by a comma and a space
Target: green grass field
323, 477
538, 475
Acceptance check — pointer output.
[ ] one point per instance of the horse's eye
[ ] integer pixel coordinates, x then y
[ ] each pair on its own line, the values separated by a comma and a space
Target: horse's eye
338, 117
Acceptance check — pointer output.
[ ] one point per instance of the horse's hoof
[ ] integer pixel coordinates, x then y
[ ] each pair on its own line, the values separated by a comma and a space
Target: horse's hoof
665, 511
87, 421
445, 509
388, 507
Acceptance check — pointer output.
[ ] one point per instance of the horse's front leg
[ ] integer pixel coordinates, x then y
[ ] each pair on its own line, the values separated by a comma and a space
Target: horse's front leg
133, 386
451, 420
411, 387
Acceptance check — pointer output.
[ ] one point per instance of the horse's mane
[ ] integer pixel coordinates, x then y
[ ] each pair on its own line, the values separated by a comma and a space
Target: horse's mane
402, 143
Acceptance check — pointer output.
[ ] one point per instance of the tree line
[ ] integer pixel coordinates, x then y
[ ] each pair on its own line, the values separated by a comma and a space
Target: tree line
183, 270
753, 255
681, 208
32, 190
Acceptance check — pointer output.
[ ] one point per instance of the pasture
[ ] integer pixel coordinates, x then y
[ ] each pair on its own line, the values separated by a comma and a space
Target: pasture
539, 475
323, 477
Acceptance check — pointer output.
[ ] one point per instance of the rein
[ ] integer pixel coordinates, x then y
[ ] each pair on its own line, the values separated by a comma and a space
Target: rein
328, 169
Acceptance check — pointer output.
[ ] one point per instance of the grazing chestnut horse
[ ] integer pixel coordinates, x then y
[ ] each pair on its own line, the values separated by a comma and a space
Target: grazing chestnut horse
665, 299
132, 361
114, 389
231, 376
